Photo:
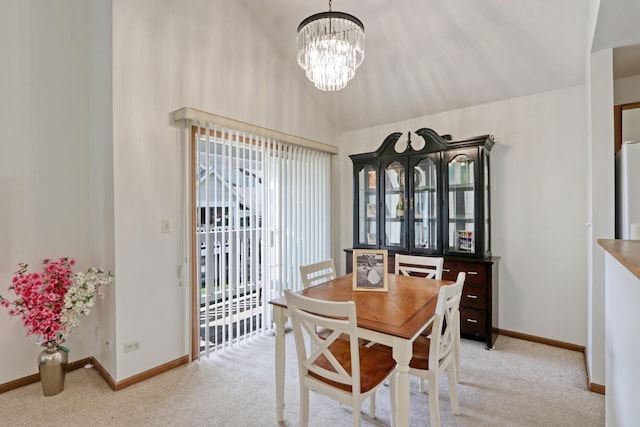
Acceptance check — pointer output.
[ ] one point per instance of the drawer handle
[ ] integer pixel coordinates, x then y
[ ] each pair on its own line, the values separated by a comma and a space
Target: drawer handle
472, 321
472, 296
446, 270
472, 273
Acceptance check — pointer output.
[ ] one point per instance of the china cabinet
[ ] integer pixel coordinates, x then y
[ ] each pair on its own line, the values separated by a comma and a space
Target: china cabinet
431, 196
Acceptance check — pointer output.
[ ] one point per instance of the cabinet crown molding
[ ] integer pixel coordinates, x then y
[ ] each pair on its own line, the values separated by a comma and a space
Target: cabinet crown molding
393, 145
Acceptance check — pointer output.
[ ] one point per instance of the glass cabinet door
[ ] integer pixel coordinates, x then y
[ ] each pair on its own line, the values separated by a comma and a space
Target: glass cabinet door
367, 206
394, 205
426, 206
487, 204
461, 204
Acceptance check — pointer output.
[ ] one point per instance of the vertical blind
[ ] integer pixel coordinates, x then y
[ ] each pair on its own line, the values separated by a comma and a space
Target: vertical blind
262, 209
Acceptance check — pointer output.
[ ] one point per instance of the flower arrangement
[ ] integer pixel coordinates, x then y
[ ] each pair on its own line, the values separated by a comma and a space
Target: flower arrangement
52, 302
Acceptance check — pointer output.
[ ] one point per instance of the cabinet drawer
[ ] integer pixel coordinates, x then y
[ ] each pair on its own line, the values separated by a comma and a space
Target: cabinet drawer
472, 322
474, 296
476, 273
450, 270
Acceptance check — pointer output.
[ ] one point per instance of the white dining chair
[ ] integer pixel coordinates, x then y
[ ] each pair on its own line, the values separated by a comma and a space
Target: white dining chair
434, 355
423, 266
319, 272
315, 274
430, 268
342, 369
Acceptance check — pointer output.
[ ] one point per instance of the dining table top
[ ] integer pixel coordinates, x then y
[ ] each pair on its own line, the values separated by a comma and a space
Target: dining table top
402, 311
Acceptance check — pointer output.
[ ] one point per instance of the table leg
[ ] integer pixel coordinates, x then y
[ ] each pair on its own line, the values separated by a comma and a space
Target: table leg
279, 319
402, 352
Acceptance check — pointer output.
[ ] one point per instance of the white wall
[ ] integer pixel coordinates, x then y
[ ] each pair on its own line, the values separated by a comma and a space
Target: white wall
101, 160
205, 54
604, 93
631, 125
539, 203
623, 376
89, 167
47, 180
601, 196
626, 90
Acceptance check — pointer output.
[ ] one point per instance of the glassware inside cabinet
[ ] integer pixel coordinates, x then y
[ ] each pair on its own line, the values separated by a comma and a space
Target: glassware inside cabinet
425, 204
367, 206
394, 205
461, 192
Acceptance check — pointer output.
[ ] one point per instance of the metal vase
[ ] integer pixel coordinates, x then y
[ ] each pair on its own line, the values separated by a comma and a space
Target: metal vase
52, 364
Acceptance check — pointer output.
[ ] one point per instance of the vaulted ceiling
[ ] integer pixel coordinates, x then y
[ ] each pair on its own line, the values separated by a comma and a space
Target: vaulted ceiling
428, 56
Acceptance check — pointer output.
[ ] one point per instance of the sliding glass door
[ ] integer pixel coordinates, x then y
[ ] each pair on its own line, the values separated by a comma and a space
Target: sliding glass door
261, 209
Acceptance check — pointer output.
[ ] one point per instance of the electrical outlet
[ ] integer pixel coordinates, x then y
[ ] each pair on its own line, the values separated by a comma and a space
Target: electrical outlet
165, 225
131, 346
107, 344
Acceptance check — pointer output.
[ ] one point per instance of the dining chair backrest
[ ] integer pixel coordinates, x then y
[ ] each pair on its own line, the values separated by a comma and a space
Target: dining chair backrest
320, 272
436, 354
422, 266
338, 367
446, 317
339, 317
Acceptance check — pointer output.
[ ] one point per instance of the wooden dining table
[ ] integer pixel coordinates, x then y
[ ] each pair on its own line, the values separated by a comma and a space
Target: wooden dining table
394, 318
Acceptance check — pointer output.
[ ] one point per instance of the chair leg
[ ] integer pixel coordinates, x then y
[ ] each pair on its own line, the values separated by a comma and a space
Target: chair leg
453, 392
434, 401
356, 413
304, 406
392, 397
456, 350
372, 405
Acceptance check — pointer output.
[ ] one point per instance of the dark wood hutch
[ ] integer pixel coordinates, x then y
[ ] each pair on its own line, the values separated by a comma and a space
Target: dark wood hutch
431, 197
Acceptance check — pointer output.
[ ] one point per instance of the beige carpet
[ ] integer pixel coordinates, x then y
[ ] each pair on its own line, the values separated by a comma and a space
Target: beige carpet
519, 383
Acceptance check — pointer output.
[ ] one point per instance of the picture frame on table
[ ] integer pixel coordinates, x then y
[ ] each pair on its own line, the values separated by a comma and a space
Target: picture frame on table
370, 267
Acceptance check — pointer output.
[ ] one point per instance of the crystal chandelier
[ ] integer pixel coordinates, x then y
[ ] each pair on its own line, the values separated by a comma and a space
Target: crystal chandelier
330, 48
